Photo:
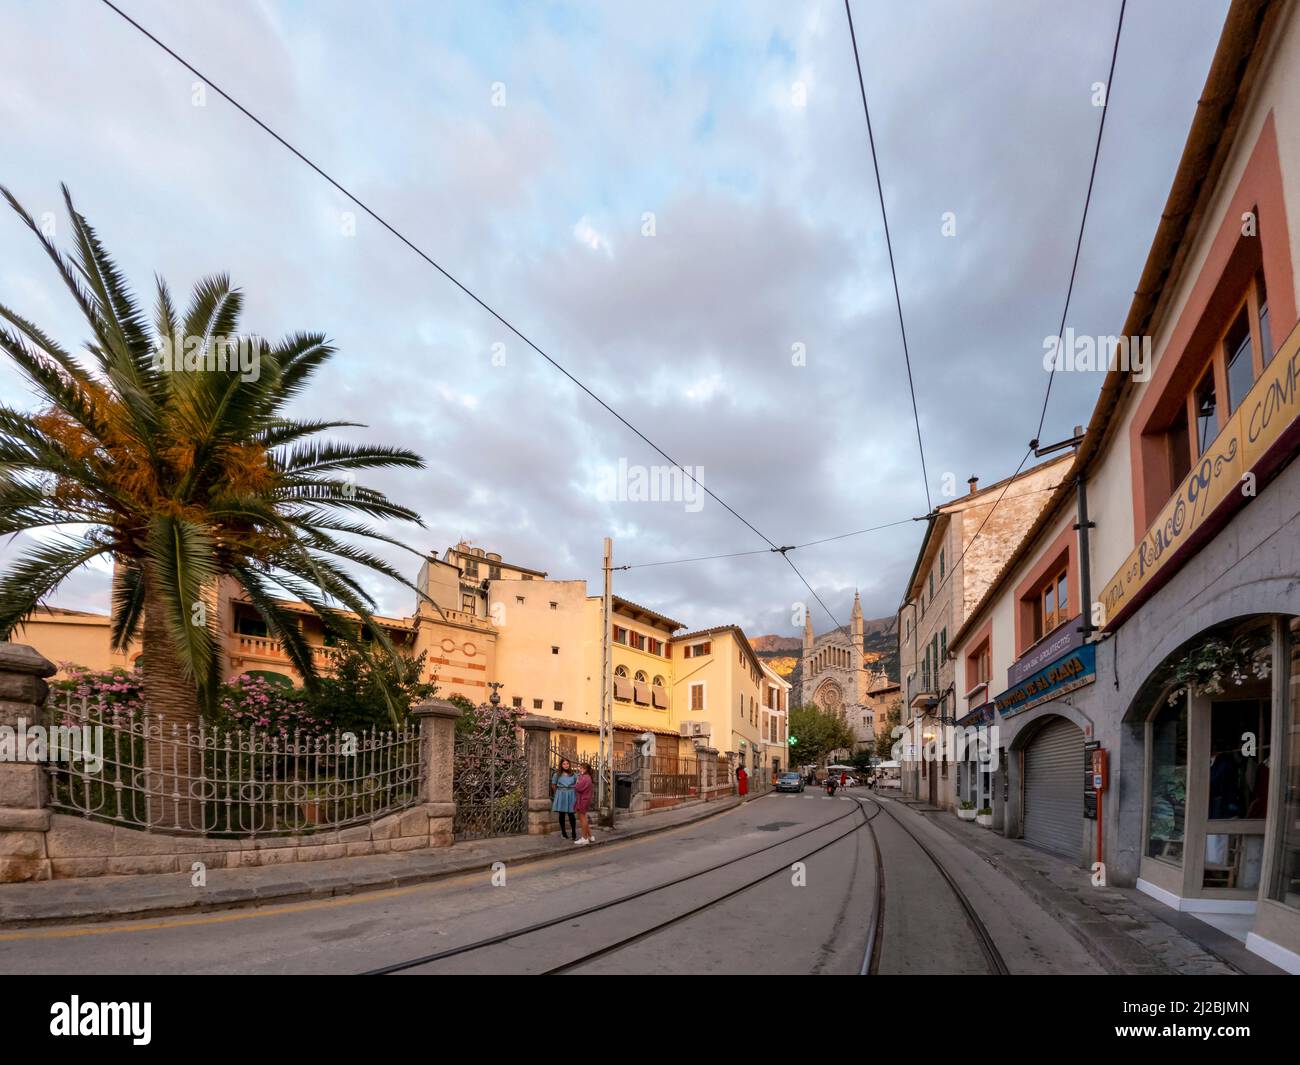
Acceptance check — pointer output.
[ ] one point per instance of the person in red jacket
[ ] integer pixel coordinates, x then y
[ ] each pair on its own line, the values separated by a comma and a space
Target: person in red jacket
844, 779
742, 781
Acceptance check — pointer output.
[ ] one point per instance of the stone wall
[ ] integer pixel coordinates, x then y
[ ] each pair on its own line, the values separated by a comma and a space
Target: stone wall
76, 846
39, 844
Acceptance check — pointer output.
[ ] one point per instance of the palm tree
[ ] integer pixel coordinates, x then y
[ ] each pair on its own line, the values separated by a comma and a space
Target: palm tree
182, 472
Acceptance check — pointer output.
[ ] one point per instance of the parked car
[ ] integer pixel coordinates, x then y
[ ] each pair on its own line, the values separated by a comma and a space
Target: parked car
790, 782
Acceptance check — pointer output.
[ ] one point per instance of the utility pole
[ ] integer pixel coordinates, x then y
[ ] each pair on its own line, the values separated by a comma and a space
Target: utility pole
606, 694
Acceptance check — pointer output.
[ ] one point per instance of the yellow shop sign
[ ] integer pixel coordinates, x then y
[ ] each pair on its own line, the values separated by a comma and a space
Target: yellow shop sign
1215, 483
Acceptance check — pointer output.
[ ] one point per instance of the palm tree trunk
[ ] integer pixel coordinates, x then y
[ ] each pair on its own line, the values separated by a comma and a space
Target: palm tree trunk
172, 758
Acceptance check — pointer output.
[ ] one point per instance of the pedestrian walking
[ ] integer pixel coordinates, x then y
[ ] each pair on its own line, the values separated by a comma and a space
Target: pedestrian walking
844, 779
582, 790
564, 798
742, 781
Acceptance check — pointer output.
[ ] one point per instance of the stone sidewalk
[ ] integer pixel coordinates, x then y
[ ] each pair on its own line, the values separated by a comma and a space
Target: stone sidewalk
1124, 929
106, 898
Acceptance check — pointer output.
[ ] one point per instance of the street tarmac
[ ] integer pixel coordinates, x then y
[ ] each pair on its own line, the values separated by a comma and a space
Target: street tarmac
783, 884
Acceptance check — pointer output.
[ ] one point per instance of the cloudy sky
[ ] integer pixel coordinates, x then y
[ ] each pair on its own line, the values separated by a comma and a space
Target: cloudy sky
523, 146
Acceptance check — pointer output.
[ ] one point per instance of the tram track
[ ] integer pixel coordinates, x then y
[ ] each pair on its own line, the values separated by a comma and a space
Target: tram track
624, 942
871, 959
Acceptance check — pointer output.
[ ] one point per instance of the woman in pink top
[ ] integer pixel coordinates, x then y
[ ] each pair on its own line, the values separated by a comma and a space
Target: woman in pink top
583, 789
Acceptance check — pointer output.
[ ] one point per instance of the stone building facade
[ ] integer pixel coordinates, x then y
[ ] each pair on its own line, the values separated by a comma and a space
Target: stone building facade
836, 676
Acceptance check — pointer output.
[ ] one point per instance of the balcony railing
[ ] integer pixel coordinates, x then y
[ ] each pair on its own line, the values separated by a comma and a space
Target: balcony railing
267, 647
921, 692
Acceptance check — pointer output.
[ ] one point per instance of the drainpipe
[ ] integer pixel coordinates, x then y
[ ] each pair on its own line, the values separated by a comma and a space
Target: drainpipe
1085, 559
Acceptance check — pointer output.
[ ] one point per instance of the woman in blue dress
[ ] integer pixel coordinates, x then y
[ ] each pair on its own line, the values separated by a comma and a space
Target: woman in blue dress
565, 798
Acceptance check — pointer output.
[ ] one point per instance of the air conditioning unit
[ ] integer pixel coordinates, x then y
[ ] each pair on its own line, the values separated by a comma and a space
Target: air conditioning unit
695, 728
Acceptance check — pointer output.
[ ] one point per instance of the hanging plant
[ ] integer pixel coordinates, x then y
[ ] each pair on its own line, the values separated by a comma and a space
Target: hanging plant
1216, 662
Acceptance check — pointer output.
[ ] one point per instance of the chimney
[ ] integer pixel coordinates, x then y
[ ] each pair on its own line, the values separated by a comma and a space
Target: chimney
974, 483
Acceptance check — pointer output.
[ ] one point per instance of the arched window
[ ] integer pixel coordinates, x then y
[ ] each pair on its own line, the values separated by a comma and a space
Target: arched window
640, 676
658, 682
620, 671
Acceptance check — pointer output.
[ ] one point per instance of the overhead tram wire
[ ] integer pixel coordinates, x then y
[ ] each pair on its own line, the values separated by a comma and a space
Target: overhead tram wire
760, 551
1096, 155
889, 246
1087, 200
814, 543
459, 284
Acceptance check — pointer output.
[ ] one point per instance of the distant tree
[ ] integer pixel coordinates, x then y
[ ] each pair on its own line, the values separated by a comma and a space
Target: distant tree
862, 759
819, 732
889, 720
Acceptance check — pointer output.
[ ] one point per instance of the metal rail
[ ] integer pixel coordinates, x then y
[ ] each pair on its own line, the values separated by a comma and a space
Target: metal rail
539, 926
997, 964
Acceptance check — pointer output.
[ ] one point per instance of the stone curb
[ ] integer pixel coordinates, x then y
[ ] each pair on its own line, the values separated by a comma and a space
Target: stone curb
92, 899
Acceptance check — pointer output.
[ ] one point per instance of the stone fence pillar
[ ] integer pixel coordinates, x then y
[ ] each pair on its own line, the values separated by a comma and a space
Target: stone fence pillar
537, 756
641, 776
24, 815
707, 767
437, 719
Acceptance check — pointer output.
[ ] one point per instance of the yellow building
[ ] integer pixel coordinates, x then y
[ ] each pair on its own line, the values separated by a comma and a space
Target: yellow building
481, 621
718, 689
72, 638
774, 732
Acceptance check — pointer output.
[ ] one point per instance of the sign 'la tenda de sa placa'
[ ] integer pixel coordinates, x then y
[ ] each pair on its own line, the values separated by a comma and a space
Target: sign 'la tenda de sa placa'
1258, 431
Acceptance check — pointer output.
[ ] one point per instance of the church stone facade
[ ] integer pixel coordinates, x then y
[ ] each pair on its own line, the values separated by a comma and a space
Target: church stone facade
836, 678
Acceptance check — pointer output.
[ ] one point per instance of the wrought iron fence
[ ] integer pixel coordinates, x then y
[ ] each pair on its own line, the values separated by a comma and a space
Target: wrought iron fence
489, 777
673, 777
144, 772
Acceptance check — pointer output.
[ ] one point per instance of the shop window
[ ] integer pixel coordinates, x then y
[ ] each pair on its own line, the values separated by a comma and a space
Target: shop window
1205, 406
1239, 759
979, 666
1241, 361
1051, 603
1286, 858
1167, 816
1179, 444
1265, 330
1238, 780
1196, 407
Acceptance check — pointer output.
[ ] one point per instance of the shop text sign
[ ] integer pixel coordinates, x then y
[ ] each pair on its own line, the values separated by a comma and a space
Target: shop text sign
1058, 643
1067, 673
1271, 408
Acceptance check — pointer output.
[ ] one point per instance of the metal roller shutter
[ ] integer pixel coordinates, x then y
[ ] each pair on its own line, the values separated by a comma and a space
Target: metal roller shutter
1053, 806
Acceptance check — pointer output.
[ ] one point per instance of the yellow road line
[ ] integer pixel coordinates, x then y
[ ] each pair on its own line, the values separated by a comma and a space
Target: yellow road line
321, 904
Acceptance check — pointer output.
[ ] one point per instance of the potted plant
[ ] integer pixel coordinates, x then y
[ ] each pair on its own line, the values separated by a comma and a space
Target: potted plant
966, 810
984, 816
